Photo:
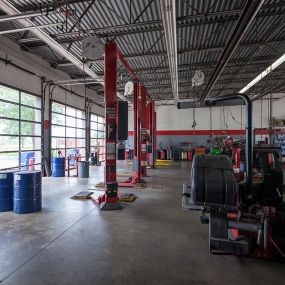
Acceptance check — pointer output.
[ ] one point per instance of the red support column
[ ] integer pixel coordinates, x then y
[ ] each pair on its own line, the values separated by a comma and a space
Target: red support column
135, 111
153, 134
144, 135
109, 201
150, 125
136, 178
138, 158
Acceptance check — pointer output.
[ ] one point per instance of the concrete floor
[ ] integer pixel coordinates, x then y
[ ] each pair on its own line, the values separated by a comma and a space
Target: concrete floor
150, 241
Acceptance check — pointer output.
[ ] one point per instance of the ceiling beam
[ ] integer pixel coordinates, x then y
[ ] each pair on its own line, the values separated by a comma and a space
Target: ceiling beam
180, 52
249, 12
52, 5
9, 9
30, 28
151, 26
236, 63
272, 90
24, 15
141, 27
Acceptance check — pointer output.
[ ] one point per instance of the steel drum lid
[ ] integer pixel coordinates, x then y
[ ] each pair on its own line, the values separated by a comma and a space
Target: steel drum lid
27, 178
6, 177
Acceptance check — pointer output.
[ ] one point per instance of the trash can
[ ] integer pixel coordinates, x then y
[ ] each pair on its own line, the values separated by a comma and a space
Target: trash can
83, 169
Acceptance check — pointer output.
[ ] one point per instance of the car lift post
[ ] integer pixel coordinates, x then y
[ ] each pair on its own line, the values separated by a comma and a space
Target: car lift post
150, 125
154, 134
136, 178
109, 201
138, 116
143, 135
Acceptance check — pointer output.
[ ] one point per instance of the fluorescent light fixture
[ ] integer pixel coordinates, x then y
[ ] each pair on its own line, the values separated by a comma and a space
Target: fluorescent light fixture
168, 13
275, 64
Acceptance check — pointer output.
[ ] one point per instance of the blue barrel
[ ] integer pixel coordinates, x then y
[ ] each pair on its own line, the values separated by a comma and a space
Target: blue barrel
6, 190
27, 194
58, 166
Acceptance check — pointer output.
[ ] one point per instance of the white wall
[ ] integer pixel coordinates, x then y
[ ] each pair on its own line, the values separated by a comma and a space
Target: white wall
171, 118
279, 108
17, 78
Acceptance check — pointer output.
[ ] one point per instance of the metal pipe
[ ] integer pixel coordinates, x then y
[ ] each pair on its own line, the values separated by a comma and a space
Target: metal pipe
74, 80
248, 14
30, 28
127, 66
25, 15
265, 236
244, 226
79, 83
248, 128
270, 119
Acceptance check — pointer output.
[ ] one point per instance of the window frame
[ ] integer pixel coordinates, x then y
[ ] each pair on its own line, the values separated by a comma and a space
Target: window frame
20, 120
65, 126
98, 130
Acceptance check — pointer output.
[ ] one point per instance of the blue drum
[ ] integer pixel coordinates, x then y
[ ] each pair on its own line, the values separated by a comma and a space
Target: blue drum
6, 190
27, 194
58, 166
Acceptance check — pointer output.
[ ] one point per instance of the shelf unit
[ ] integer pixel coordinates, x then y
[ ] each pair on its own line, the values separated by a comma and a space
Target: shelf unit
278, 137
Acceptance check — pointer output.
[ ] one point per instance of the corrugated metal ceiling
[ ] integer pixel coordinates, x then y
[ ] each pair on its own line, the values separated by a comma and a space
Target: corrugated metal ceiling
203, 30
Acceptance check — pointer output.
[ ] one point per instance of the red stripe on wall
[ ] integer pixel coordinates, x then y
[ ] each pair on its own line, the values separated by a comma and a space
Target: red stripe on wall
203, 132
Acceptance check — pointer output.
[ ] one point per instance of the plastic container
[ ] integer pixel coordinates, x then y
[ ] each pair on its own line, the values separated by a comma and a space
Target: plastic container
83, 169
189, 155
27, 192
163, 154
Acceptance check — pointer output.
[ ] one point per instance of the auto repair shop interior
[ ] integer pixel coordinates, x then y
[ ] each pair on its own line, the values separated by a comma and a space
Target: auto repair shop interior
142, 142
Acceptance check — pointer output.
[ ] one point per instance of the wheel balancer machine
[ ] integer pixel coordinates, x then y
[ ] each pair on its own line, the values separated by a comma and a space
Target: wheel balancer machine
246, 218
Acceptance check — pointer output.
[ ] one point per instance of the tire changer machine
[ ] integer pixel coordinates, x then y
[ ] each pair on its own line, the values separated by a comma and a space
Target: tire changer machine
246, 217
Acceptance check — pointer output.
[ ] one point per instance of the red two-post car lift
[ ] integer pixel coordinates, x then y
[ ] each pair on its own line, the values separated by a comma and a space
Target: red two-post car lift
109, 201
